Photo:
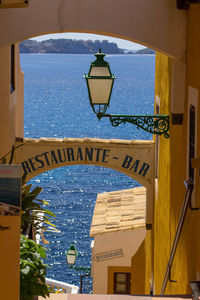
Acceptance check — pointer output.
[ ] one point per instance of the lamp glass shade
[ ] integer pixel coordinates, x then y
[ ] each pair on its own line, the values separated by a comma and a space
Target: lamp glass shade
99, 83
71, 255
99, 71
100, 90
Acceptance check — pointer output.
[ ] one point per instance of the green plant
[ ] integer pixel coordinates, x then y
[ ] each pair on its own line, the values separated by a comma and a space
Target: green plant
33, 215
32, 269
32, 211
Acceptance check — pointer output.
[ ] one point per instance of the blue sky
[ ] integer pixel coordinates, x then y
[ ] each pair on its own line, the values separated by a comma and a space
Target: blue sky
85, 36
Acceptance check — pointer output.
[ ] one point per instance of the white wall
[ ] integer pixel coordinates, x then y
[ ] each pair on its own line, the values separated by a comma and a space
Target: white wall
129, 241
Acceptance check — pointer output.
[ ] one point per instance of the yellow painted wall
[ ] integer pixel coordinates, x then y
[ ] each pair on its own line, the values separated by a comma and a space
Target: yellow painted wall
19, 128
6, 136
178, 175
138, 271
172, 173
148, 263
141, 268
11, 104
171, 190
9, 257
11, 125
186, 266
193, 79
161, 223
186, 263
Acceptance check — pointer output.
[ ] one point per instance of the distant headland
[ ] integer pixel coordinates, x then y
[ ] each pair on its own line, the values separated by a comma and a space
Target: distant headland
76, 47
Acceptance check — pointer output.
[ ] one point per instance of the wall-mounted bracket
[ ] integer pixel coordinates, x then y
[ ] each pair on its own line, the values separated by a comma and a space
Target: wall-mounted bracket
155, 124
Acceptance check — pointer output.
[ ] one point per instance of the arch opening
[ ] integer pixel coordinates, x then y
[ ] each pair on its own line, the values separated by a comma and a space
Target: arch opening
72, 196
60, 118
62, 101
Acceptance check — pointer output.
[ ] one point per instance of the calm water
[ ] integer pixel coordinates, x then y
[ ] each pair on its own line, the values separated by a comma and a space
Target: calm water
56, 105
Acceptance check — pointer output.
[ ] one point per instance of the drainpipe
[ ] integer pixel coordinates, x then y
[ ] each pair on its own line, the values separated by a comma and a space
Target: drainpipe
189, 188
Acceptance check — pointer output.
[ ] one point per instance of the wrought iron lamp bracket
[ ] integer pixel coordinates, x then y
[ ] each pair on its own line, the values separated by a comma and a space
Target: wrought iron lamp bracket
155, 124
85, 269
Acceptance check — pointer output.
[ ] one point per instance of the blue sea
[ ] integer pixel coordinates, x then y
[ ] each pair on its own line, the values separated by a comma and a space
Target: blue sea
56, 105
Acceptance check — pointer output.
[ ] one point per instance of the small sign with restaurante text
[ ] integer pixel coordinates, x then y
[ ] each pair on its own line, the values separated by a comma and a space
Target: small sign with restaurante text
108, 255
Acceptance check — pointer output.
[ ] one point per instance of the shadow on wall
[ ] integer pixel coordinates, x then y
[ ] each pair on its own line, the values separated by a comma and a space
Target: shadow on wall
138, 271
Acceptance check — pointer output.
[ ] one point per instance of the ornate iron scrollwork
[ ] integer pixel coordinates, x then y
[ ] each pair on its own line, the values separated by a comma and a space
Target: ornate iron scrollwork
154, 124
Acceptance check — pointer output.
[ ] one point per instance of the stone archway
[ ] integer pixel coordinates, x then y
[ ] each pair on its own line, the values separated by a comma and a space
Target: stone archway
137, 21
133, 158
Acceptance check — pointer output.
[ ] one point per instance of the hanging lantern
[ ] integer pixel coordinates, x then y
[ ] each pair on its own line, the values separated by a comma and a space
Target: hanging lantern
71, 255
99, 83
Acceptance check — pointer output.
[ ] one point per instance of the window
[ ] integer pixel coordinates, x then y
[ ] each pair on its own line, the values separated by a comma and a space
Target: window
191, 173
122, 283
192, 122
12, 68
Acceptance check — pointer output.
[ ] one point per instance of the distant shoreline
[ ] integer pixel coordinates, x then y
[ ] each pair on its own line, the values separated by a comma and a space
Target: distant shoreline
129, 54
68, 46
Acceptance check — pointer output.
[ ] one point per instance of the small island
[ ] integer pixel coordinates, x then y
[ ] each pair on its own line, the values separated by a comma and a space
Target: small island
69, 46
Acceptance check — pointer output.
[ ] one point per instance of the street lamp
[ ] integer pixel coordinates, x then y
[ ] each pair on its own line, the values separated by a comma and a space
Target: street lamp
71, 255
100, 83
